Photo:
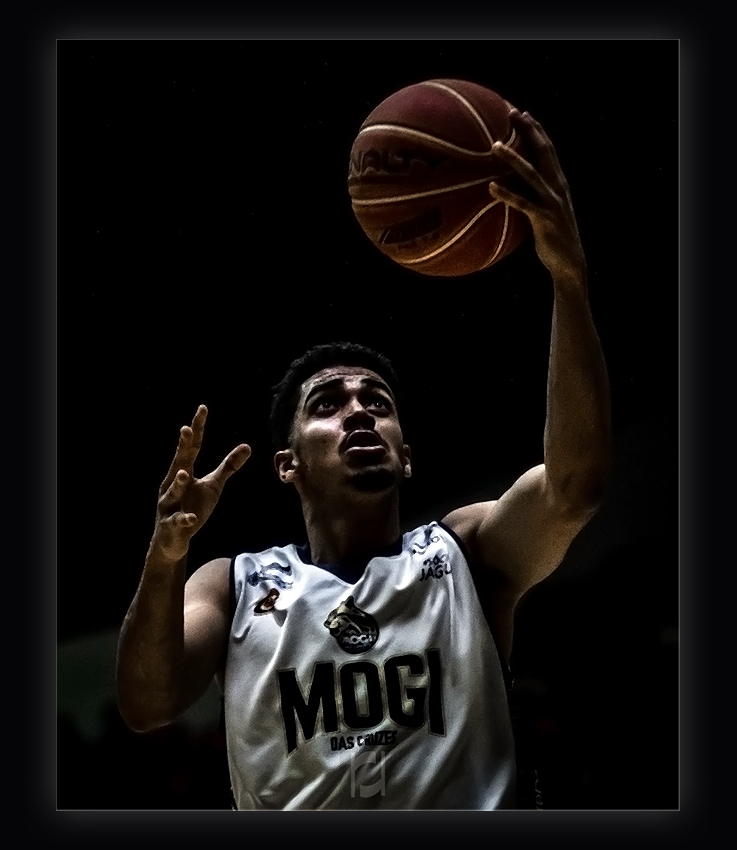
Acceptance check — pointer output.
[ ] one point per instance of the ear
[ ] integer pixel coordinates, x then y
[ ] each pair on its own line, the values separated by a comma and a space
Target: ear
407, 464
285, 464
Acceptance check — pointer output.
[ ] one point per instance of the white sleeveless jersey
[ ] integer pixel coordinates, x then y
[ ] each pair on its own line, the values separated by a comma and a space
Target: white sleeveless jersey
387, 693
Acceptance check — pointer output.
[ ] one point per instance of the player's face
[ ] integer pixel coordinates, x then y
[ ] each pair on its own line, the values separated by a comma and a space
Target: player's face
345, 432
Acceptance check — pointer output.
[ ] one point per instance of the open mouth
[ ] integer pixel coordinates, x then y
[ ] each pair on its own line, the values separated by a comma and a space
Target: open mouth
362, 440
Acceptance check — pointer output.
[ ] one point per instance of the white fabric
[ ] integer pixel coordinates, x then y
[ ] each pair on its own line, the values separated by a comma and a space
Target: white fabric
410, 712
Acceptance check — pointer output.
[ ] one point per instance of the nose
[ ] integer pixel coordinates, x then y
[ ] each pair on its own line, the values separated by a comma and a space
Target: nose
357, 416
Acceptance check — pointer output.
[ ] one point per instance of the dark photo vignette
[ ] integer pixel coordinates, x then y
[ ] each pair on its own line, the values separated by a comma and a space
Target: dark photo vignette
616, 824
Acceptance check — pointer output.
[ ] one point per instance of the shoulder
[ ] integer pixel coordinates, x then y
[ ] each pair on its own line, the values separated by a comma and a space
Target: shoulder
207, 620
211, 573
524, 534
466, 522
213, 581
210, 584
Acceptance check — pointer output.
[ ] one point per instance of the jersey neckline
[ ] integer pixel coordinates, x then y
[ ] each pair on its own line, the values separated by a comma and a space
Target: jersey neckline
350, 576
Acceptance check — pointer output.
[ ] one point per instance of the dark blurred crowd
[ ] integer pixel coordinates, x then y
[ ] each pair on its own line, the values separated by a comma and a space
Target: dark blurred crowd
171, 768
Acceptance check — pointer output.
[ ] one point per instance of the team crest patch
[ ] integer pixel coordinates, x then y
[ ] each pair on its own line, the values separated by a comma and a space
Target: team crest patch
354, 629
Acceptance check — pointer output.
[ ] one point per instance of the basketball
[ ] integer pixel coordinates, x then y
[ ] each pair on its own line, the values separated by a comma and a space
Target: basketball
418, 178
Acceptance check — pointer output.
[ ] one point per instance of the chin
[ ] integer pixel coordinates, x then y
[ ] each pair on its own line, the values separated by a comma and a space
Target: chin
374, 481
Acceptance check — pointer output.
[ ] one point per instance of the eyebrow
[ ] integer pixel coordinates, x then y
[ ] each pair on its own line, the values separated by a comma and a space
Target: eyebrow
334, 383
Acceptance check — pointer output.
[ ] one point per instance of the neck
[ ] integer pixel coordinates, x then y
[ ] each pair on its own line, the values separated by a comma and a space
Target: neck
349, 538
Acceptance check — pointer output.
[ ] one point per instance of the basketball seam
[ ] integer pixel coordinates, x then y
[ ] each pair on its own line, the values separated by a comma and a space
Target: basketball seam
427, 137
460, 233
472, 109
428, 194
480, 121
502, 239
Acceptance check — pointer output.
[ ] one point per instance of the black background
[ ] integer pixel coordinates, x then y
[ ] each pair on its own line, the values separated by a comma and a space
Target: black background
205, 238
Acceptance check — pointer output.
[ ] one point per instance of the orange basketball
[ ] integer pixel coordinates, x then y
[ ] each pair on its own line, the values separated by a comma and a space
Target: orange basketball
418, 178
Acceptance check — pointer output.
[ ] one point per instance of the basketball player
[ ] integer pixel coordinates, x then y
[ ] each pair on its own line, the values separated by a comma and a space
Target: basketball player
366, 669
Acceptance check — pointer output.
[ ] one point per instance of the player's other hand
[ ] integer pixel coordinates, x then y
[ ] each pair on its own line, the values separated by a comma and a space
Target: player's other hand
186, 502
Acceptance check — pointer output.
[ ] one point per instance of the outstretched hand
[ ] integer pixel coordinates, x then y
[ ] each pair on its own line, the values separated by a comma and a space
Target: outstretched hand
185, 502
544, 199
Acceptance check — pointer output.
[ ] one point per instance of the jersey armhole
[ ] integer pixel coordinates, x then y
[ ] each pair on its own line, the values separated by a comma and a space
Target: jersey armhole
506, 669
461, 545
231, 591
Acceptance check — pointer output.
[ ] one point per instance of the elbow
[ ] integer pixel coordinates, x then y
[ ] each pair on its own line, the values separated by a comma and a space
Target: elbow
135, 721
585, 509
588, 497
142, 722
145, 701
595, 484
580, 497
141, 716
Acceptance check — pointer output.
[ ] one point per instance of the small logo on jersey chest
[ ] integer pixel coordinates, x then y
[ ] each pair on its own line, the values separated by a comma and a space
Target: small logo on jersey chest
279, 574
354, 629
436, 567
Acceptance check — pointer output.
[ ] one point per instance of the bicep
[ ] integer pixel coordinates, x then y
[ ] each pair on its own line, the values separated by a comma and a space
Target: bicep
522, 536
206, 623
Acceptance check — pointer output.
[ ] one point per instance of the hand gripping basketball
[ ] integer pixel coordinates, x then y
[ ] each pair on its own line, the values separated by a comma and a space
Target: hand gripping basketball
543, 197
186, 502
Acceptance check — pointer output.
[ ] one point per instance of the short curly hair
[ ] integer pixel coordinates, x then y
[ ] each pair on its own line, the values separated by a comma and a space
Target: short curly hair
286, 392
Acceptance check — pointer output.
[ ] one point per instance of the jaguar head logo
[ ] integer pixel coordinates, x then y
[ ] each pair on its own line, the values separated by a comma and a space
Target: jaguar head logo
354, 629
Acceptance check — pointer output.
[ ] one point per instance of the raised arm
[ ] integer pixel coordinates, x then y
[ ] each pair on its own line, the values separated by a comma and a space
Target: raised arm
173, 638
523, 536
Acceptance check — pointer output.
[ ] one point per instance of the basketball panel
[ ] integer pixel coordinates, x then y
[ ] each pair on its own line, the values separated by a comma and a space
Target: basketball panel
405, 231
491, 107
433, 110
478, 248
391, 162
387, 172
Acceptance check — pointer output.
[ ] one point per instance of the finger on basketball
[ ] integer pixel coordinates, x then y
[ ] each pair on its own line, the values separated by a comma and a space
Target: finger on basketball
512, 158
512, 199
530, 126
536, 138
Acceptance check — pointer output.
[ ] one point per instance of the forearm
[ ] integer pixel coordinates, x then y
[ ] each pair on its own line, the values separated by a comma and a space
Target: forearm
577, 428
150, 660
161, 670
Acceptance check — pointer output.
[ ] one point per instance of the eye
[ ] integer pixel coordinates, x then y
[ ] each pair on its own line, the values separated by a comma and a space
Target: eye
326, 404
379, 402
